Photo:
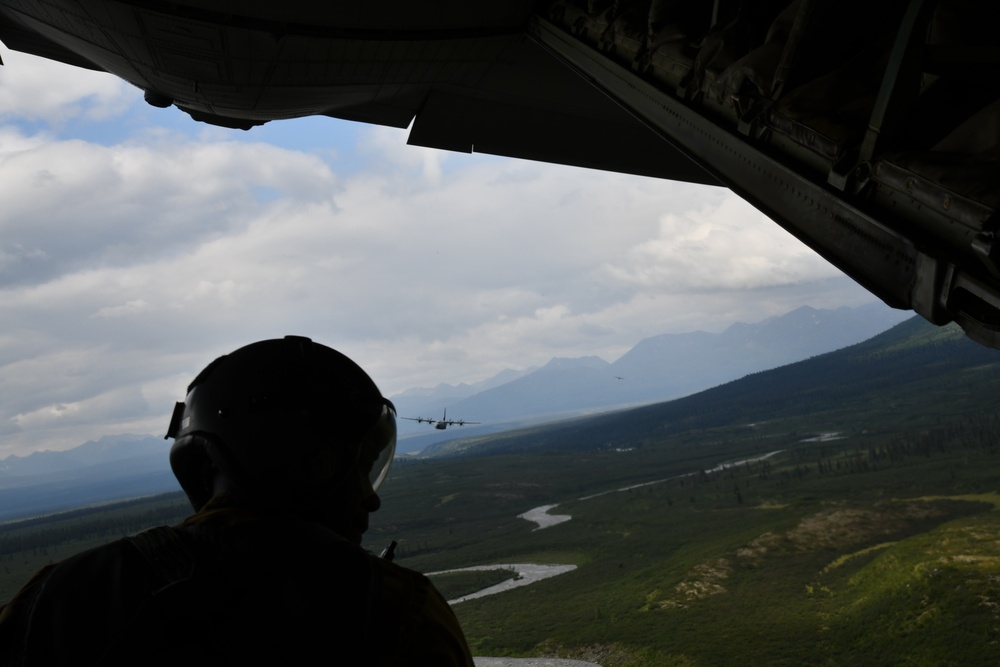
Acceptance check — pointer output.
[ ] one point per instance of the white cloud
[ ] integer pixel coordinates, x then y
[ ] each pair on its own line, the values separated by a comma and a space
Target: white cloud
383, 144
42, 90
71, 204
125, 268
724, 246
133, 307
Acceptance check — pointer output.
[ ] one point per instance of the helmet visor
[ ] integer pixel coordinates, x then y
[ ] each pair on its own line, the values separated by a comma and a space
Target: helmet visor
379, 447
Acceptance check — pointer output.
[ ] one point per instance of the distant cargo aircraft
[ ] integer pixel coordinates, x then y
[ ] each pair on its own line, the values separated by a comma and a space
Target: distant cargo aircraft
441, 424
867, 129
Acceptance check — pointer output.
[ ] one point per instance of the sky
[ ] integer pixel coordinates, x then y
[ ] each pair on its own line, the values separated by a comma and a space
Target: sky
137, 245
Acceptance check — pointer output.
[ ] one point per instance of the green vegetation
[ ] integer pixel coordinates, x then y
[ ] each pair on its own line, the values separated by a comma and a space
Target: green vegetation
775, 562
453, 585
877, 543
28, 545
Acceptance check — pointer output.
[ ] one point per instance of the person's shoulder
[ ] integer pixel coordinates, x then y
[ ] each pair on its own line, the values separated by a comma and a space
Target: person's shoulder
90, 568
432, 634
112, 574
409, 590
394, 574
396, 569
108, 556
84, 599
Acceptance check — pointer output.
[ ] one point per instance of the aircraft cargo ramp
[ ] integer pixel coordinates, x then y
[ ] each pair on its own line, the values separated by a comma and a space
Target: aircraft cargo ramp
869, 130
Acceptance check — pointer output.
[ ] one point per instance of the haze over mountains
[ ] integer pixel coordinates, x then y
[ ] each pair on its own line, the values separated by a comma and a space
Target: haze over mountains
660, 368
914, 373
112, 468
656, 369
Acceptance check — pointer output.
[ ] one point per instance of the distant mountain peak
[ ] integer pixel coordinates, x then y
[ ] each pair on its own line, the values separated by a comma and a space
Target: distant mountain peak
576, 362
656, 369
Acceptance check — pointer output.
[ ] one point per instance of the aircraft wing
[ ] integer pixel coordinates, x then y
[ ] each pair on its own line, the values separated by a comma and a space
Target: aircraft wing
867, 129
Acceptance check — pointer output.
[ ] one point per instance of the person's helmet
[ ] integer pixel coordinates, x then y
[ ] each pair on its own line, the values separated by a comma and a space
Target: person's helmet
284, 420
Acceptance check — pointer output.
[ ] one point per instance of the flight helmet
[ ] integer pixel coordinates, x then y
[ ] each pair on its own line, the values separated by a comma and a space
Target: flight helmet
286, 420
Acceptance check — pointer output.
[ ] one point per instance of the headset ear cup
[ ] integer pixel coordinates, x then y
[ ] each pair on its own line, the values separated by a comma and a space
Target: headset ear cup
194, 469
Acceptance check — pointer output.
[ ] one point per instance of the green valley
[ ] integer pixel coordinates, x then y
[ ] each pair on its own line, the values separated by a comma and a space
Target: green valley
855, 523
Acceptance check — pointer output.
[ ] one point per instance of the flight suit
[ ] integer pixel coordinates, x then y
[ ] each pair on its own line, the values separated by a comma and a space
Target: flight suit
230, 587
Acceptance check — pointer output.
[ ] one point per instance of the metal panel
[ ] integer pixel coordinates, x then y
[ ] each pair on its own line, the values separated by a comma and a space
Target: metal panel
880, 259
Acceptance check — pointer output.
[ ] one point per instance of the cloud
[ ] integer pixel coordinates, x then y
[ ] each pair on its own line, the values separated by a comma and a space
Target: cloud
382, 143
127, 267
723, 246
71, 204
36, 89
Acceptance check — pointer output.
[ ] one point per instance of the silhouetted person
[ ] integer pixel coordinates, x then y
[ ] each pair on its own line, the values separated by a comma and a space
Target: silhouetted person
280, 446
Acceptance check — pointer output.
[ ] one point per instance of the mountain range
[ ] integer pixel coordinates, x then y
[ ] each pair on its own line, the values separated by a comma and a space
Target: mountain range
104, 470
656, 369
917, 374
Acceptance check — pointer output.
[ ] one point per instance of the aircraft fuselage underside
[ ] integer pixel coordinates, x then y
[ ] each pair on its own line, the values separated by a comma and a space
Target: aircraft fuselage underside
871, 131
